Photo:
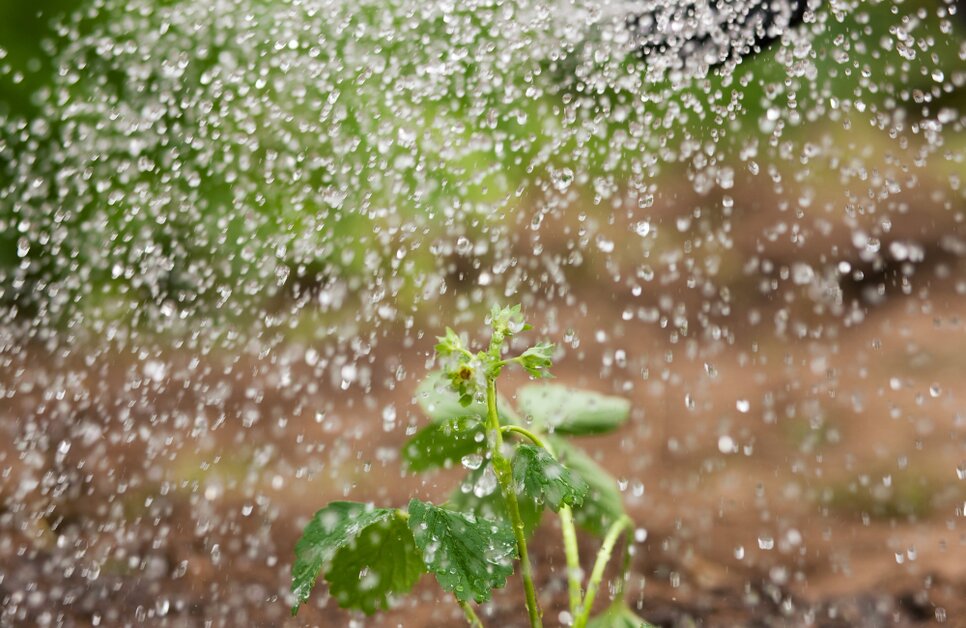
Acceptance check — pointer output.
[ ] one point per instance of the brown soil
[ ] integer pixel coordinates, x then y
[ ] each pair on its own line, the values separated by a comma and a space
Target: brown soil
841, 507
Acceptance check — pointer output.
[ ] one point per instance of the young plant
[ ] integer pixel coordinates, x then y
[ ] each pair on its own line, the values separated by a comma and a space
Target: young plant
518, 465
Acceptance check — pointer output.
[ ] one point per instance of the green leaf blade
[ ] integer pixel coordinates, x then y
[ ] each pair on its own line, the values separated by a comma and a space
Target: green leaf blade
449, 344
603, 504
444, 442
540, 476
561, 410
382, 563
507, 321
537, 360
329, 530
469, 556
489, 504
440, 401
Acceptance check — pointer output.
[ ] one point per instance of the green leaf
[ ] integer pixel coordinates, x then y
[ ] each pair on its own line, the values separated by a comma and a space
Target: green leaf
618, 615
537, 360
470, 556
440, 402
381, 563
330, 529
441, 443
602, 503
507, 321
449, 344
562, 410
544, 479
490, 504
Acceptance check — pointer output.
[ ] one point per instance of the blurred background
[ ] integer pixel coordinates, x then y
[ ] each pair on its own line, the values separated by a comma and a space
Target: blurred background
230, 232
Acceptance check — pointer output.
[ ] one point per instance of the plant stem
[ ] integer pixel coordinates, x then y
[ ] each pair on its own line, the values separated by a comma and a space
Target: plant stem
603, 556
471, 615
573, 557
626, 564
566, 526
504, 474
516, 429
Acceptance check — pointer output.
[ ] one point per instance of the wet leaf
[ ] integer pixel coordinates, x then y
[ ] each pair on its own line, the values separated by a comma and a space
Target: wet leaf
545, 480
563, 410
507, 321
537, 360
330, 529
470, 556
443, 442
449, 344
490, 505
381, 562
439, 401
602, 504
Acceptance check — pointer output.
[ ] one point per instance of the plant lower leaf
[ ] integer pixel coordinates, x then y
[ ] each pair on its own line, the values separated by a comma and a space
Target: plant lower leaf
602, 504
481, 496
539, 476
443, 442
562, 410
380, 563
329, 530
470, 556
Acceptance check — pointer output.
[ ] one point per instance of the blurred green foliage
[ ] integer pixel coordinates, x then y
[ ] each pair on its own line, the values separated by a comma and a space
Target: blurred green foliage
349, 245
24, 29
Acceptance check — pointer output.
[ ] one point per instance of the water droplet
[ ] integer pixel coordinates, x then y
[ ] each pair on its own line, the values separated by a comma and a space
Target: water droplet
689, 401
389, 418
642, 228
472, 461
562, 178
486, 484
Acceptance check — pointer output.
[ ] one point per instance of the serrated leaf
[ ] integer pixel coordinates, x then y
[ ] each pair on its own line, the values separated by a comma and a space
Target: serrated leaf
507, 321
468, 555
539, 476
329, 530
537, 360
618, 615
380, 563
603, 503
442, 442
448, 344
490, 504
440, 402
562, 410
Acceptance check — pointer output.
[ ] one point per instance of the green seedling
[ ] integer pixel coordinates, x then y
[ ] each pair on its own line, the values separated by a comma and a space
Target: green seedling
519, 464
